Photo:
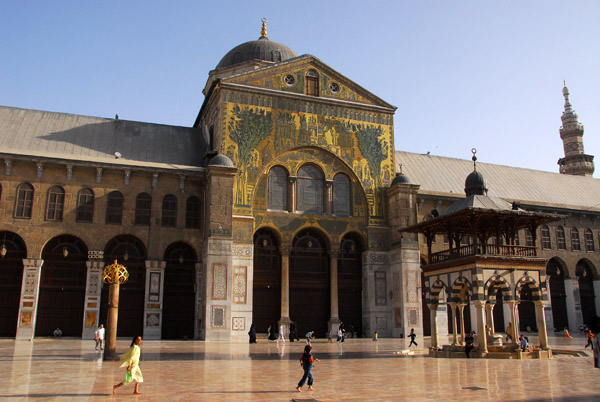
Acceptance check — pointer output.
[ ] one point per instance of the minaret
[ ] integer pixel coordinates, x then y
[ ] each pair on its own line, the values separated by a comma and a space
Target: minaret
575, 162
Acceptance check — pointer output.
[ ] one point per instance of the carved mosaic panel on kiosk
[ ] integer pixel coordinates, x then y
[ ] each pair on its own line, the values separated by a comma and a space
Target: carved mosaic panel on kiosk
252, 136
238, 323
239, 284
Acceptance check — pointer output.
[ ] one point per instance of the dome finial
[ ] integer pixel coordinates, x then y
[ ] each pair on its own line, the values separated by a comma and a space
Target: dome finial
474, 158
400, 167
263, 31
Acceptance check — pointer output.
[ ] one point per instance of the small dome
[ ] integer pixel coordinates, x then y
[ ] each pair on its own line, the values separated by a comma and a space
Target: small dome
221, 160
260, 49
400, 178
475, 184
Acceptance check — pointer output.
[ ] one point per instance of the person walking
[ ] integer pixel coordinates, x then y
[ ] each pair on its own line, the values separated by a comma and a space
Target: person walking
567, 334
271, 333
340, 335
281, 334
131, 360
252, 334
375, 336
309, 335
412, 337
469, 339
293, 332
99, 337
306, 361
590, 339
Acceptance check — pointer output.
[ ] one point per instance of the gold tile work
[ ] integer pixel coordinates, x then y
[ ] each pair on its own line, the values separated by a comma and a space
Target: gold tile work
357, 370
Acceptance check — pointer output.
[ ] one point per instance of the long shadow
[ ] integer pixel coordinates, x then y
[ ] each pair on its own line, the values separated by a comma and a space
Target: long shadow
51, 395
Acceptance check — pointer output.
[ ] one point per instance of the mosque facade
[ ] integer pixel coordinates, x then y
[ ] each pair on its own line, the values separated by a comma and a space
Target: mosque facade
282, 204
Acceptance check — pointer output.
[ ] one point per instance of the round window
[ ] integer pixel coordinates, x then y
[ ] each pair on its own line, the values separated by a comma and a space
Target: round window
289, 79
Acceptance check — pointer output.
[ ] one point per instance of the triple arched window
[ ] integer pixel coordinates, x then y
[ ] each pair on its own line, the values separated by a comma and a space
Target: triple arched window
341, 195
278, 179
310, 189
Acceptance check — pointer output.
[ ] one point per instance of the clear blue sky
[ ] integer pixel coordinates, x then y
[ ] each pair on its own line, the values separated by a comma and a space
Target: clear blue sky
463, 74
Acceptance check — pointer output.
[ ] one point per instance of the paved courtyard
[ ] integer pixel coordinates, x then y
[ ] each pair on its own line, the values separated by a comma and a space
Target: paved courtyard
358, 370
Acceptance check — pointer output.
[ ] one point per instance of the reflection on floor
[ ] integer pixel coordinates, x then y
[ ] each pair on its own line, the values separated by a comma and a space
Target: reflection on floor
358, 369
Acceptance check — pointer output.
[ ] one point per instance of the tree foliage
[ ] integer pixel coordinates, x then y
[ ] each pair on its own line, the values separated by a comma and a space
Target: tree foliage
247, 128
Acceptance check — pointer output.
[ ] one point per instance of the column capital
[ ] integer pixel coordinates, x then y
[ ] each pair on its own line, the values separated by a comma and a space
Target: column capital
334, 252
433, 307
540, 303
479, 304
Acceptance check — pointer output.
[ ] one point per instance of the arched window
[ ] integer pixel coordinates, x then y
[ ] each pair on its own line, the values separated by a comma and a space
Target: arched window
278, 188
85, 205
589, 240
529, 238
561, 242
341, 195
114, 208
575, 244
546, 244
310, 189
143, 209
311, 83
24, 201
169, 211
55, 204
192, 212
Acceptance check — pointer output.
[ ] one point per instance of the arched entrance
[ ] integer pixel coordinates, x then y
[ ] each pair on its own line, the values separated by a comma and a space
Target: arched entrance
527, 320
266, 288
350, 282
556, 274
497, 291
586, 291
11, 277
62, 287
130, 252
498, 311
179, 297
309, 282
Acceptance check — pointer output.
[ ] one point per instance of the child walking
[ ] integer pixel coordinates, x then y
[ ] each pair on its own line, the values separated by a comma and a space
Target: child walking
306, 361
412, 337
590, 339
131, 360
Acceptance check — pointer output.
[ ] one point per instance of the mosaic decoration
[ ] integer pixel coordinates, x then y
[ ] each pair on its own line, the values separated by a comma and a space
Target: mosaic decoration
411, 287
152, 320
218, 316
90, 319
380, 323
219, 288
413, 317
239, 285
93, 284
238, 323
396, 277
26, 319
154, 291
380, 288
30, 282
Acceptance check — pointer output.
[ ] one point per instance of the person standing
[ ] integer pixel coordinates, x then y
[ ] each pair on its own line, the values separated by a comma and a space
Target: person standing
281, 333
469, 339
375, 336
131, 360
252, 334
293, 332
271, 333
340, 336
57, 333
99, 337
590, 339
306, 361
309, 336
412, 337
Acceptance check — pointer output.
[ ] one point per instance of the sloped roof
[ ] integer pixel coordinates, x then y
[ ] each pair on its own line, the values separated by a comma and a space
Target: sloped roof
28, 132
442, 176
478, 202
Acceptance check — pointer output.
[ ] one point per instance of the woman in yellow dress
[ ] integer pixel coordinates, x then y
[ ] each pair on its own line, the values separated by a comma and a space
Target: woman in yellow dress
131, 360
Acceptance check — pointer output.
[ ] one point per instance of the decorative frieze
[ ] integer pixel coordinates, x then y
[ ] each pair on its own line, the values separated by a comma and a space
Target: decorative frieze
239, 284
219, 288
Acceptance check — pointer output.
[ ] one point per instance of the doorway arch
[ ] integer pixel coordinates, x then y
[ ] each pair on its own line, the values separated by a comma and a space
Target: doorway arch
266, 287
179, 295
527, 315
11, 279
350, 282
309, 282
587, 296
555, 271
62, 287
131, 252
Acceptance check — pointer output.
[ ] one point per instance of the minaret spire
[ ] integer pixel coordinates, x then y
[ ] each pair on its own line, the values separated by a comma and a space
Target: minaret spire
575, 162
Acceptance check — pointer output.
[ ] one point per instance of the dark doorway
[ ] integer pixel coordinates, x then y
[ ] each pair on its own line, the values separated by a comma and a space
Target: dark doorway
426, 312
498, 312
309, 283
130, 252
350, 283
11, 278
526, 310
558, 295
266, 288
62, 287
586, 291
179, 297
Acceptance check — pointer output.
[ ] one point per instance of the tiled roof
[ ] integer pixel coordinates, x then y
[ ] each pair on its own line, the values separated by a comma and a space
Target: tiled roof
442, 176
67, 136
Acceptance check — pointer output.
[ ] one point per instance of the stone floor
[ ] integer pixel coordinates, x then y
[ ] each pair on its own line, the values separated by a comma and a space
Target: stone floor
358, 370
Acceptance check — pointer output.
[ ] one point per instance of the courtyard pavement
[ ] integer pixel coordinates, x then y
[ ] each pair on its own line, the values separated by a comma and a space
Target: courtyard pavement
357, 370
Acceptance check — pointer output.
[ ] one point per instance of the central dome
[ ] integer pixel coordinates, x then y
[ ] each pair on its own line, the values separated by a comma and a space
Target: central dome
260, 49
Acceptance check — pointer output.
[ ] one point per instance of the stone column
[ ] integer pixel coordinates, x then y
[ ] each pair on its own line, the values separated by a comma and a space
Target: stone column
433, 314
199, 314
93, 290
334, 320
541, 323
512, 305
285, 285
30, 290
461, 311
454, 308
480, 308
291, 195
153, 301
328, 207
573, 304
489, 313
